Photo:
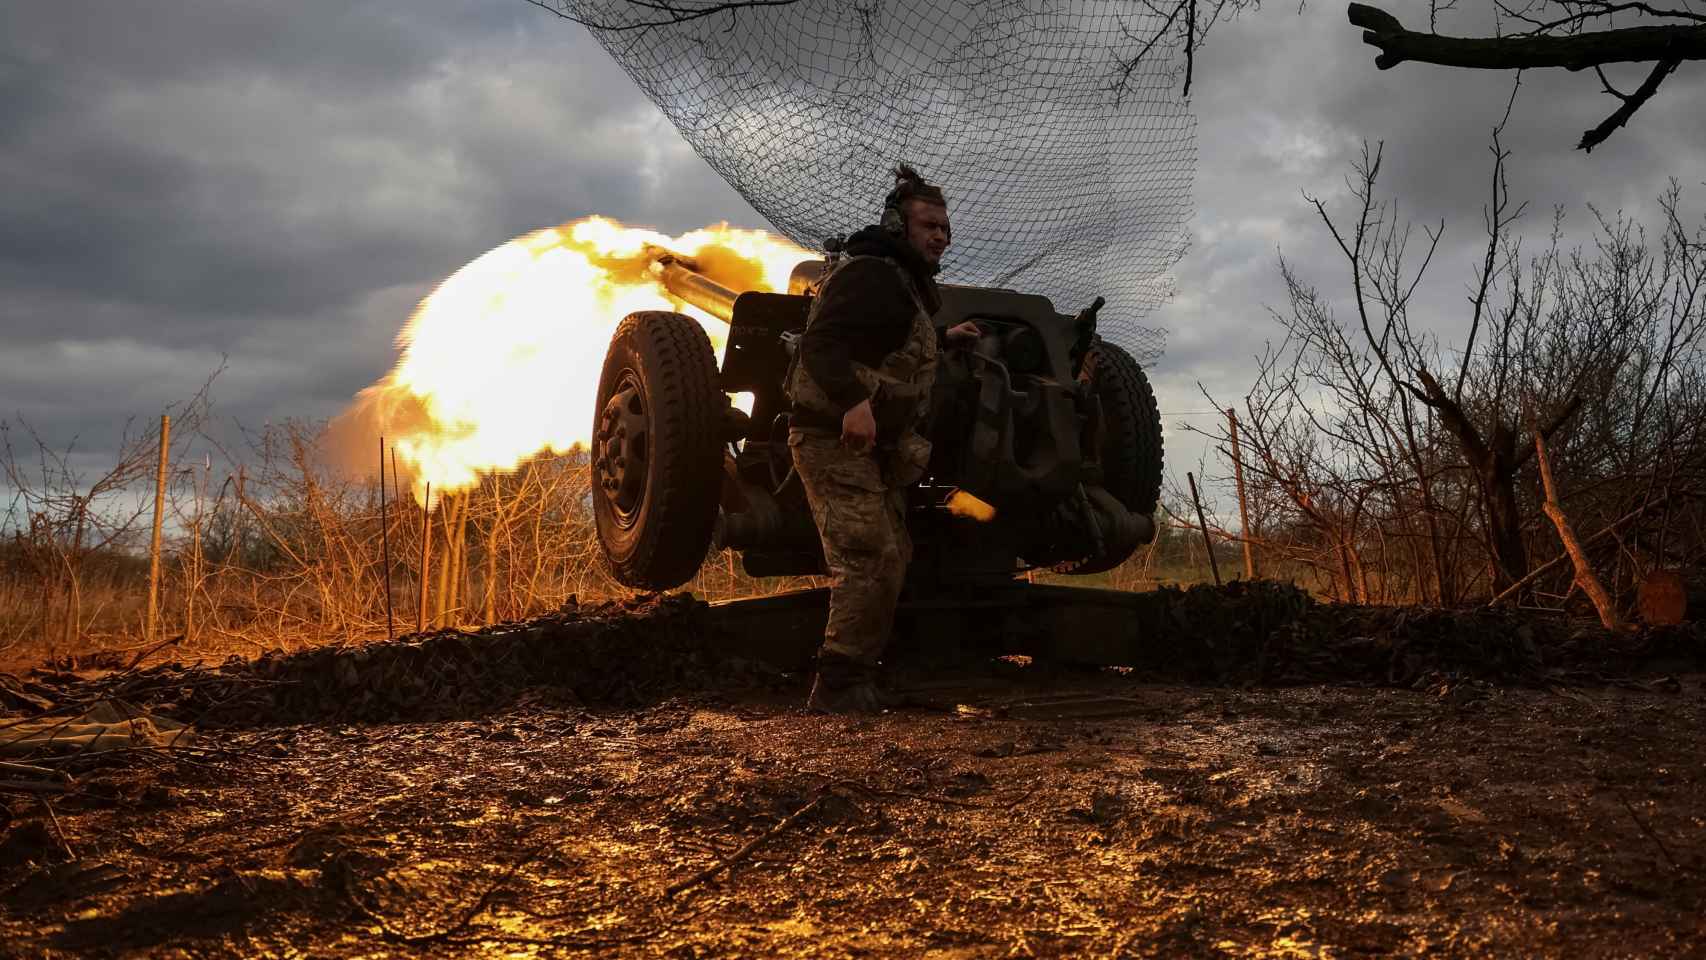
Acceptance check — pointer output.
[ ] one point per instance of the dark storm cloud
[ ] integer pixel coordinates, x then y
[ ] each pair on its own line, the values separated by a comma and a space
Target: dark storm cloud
302, 176
279, 183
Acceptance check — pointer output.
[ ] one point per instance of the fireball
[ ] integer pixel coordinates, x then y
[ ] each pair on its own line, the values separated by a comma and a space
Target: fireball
501, 362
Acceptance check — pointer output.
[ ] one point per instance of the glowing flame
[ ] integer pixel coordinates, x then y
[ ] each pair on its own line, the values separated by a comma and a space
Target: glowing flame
501, 361
963, 504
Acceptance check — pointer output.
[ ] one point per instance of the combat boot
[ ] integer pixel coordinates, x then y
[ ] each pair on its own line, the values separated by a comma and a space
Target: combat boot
844, 685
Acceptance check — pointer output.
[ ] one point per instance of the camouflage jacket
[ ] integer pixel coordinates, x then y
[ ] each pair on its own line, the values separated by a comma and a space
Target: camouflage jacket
868, 336
898, 385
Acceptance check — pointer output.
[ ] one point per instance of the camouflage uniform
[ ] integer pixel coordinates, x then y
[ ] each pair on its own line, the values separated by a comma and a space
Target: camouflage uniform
858, 500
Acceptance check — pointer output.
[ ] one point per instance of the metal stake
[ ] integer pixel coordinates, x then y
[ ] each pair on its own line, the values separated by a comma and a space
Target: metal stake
1212, 563
1243, 504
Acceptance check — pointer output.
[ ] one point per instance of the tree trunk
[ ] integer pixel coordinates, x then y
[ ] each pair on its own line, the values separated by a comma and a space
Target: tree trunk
1349, 594
1494, 466
1445, 583
1504, 535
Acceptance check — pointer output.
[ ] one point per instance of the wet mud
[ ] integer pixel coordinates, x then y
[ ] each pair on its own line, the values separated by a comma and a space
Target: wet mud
1007, 808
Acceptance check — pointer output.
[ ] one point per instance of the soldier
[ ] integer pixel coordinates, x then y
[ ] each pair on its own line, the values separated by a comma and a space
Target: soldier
861, 392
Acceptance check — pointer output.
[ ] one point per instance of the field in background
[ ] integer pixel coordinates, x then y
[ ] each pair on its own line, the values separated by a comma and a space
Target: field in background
281, 553
277, 550
272, 547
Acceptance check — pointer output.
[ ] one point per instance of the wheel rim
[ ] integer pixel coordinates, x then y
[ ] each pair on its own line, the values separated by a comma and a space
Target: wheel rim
622, 449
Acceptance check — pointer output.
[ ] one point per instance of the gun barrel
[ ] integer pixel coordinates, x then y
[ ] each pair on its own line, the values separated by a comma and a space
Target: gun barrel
681, 279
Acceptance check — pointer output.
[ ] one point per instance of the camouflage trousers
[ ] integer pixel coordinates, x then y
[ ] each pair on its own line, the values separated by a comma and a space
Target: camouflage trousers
862, 523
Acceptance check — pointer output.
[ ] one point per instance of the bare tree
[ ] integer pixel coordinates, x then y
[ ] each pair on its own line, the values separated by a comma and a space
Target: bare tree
64, 520
1381, 454
1181, 28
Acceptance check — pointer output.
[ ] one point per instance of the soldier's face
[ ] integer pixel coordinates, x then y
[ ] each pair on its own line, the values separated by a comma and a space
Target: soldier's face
928, 231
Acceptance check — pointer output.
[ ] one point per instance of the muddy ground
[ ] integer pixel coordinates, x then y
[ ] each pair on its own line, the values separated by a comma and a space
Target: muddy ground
1008, 809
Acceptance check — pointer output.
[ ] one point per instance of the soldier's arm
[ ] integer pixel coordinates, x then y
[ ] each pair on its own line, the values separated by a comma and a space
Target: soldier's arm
864, 314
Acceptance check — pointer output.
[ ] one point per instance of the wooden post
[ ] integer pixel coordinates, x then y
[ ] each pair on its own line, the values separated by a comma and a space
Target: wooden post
459, 570
385, 540
1243, 504
194, 578
492, 552
426, 556
154, 543
73, 580
449, 513
1213, 564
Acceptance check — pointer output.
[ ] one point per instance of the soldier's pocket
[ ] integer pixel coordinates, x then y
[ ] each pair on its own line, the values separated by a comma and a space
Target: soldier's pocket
907, 463
855, 521
823, 461
857, 473
851, 495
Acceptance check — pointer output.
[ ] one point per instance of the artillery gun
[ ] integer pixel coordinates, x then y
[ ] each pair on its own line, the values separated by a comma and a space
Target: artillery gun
1047, 442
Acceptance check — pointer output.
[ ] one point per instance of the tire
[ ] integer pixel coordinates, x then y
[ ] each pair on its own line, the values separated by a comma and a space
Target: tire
657, 451
1130, 441
1131, 428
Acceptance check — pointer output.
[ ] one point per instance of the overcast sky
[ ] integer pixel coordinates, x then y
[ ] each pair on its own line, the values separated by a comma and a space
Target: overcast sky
279, 183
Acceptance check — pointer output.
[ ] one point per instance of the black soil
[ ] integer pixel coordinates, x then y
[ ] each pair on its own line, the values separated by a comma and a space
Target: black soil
1293, 781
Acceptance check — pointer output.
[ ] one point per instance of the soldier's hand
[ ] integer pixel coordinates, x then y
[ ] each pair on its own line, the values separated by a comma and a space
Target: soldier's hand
964, 332
859, 427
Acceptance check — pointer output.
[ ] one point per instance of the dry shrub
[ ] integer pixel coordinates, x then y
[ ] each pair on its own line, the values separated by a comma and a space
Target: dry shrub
275, 548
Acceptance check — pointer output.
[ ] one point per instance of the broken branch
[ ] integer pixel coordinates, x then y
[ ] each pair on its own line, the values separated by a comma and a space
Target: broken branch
1648, 831
33, 786
58, 830
1549, 565
746, 849
1572, 52
1585, 575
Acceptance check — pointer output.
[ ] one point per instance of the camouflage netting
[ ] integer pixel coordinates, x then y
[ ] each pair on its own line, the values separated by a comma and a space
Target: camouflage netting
613, 653
1067, 159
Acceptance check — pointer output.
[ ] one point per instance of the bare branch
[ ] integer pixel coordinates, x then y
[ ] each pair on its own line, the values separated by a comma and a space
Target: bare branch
1496, 222
1572, 52
1127, 67
1190, 44
1631, 103
658, 13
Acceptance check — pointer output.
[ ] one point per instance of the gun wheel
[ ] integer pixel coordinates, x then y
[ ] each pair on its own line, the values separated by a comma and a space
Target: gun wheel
1128, 445
656, 450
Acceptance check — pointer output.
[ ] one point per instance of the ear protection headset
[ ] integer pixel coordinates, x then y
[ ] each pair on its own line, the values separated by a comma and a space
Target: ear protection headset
894, 220
908, 185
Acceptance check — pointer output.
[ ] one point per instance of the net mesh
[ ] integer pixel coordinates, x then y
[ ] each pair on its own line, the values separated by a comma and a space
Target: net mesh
1067, 158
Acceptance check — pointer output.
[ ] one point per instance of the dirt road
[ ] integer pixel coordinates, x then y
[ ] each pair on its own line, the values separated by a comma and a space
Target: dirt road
1010, 811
